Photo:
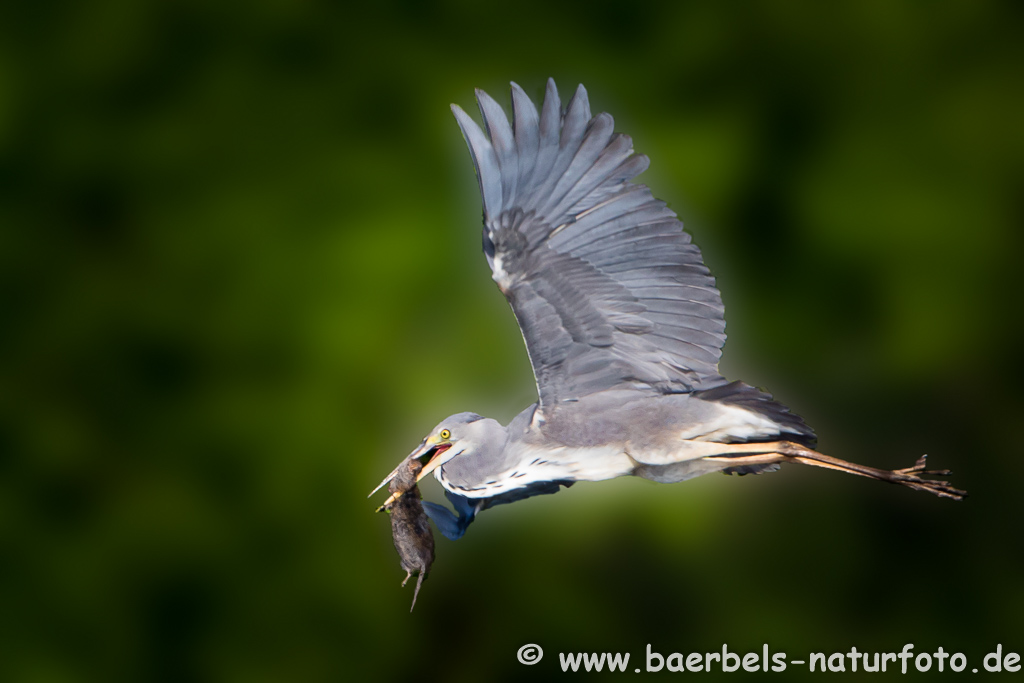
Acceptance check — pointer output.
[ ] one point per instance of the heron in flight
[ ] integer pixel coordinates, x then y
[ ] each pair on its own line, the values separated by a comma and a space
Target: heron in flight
623, 325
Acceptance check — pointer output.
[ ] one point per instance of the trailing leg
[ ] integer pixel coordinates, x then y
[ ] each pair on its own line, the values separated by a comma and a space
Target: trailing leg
787, 451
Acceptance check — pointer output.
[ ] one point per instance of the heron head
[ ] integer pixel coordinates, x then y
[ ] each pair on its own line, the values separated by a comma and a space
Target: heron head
456, 435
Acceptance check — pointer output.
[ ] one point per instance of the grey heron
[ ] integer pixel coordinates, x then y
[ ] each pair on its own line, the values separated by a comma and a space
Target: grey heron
623, 326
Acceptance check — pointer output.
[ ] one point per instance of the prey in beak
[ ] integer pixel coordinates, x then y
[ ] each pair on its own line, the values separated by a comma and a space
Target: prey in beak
428, 453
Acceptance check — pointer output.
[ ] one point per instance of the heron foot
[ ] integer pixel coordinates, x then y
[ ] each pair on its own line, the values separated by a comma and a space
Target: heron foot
919, 468
787, 451
908, 477
905, 477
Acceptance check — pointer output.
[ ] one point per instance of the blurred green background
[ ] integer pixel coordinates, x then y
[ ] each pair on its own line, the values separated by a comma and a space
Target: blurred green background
240, 278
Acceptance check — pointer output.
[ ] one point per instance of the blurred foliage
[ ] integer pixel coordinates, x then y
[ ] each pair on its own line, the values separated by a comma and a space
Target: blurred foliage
240, 278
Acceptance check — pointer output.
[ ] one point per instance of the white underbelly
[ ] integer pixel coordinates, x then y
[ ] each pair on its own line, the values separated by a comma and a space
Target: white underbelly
535, 465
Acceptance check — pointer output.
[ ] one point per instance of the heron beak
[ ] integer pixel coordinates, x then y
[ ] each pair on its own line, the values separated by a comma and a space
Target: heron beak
416, 453
386, 481
429, 453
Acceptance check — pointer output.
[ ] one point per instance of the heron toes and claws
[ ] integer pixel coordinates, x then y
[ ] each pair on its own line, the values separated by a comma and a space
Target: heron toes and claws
939, 488
919, 468
908, 477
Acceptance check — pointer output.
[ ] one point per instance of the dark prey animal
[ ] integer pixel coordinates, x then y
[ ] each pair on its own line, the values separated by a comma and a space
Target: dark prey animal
413, 539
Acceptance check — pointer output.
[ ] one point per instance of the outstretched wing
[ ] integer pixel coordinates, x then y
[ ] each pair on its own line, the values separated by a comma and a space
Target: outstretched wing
606, 286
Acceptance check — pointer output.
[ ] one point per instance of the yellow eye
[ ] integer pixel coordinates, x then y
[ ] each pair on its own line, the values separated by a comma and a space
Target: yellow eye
445, 434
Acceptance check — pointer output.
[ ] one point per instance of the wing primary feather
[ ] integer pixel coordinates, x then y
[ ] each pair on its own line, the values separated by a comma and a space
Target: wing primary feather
551, 115
488, 171
573, 127
574, 123
526, 127
550, 127
599, 134
503, 142
597, 172
581, 92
